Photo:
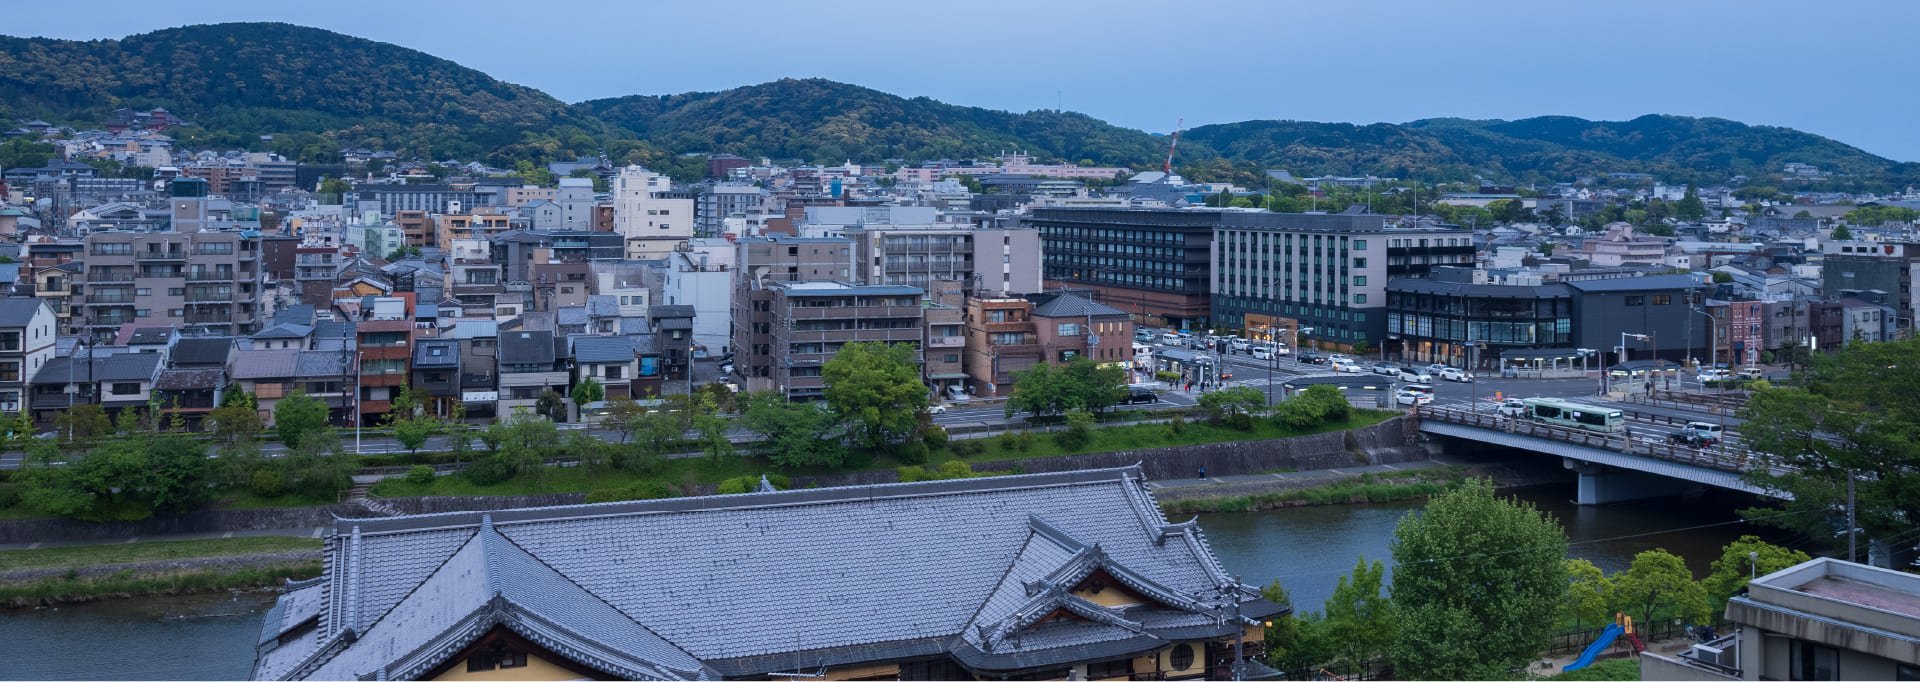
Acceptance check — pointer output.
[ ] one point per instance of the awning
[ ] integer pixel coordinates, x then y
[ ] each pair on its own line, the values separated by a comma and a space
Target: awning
948, 375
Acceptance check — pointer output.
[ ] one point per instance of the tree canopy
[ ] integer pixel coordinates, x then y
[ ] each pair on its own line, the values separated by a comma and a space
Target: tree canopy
875, 389
1082, 384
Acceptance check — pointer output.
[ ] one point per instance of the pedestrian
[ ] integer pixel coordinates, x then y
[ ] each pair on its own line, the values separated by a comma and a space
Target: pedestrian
1203, 472
1649, 388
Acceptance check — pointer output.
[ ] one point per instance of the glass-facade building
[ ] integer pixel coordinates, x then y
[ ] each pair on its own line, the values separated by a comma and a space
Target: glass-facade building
1437, 319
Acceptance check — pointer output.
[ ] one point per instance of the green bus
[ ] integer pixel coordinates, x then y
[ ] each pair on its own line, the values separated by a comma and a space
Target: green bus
1575, 415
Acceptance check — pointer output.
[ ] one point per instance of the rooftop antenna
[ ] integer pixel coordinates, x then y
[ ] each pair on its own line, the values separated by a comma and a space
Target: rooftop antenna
1166, 169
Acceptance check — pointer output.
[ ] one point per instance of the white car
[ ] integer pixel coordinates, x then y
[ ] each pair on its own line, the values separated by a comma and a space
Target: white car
1262, 353
1456, 374
1416, 376
936, 409
1709, 375
1347, 366
1237, 345
1412, 398
1511, 407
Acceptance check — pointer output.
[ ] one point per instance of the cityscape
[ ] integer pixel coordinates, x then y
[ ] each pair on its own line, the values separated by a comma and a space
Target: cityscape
328, 355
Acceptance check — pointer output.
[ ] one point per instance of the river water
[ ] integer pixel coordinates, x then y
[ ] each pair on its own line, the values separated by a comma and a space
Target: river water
210, 637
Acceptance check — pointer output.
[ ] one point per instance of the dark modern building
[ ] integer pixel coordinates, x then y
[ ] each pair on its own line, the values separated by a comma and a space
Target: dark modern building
1438, 318
1285, 273
1864, 266
1657, 306
1152, 263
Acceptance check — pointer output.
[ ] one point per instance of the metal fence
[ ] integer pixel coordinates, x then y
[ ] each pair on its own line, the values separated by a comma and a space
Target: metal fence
1720, 457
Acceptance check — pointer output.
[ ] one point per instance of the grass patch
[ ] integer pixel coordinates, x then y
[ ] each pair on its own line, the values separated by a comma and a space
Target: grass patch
1358, 490
128, 584
1147, 436
95, 555
1610, 669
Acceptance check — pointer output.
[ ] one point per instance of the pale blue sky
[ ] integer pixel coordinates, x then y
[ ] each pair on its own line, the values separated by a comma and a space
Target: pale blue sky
1841, 69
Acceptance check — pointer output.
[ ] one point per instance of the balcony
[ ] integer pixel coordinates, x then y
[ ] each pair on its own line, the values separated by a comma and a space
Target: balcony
946, 341
160, 255
851, 335
109, 320
215, 276
193, 318
110, 277
108, 300
854, 311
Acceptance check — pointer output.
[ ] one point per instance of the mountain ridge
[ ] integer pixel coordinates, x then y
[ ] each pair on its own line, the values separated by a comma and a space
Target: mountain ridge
316, 91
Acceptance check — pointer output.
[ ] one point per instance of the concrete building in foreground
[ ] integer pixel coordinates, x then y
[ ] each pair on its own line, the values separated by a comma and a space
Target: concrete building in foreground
1825, 619
1071, 575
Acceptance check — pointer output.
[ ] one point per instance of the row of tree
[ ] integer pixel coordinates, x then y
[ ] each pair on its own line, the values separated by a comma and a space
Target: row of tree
1480, 584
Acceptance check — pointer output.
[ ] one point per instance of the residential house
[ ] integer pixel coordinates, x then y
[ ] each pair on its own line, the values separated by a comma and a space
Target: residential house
436, 372
532, 363
672, 326
609, 360
28, 340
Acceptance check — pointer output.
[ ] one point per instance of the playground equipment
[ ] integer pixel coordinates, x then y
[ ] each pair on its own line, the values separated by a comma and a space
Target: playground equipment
1622, 625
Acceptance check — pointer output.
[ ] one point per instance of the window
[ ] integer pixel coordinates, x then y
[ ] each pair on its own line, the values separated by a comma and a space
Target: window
10, 370
615, 372
143, 291
10, 340
1812, 661
143, 312
1069, 329
1636, 300
1359, 280
1663, 299
125, 388
175, 312
1181, 658
1359, 298
176, 291
1359, 244
219, 249
495, 656
952, 357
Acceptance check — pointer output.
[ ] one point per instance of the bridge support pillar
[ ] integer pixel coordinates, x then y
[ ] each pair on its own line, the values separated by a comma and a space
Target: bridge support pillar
1601, 484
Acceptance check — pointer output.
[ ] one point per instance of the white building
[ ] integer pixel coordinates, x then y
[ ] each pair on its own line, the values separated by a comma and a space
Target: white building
701, 275
576, 203
653, 220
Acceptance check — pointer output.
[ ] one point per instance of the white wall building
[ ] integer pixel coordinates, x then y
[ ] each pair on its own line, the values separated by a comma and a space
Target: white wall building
702, 276
652, 221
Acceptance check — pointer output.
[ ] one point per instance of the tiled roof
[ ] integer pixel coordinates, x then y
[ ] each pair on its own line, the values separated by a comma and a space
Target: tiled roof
526, 348
602, 349
745, 585
324, 363
266, 364
448, 356
17, 312
1069, 305
189, 379
201, 351
284, 331
1643, 283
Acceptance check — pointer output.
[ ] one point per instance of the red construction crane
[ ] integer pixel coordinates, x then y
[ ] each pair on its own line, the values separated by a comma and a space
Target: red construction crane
1167, 167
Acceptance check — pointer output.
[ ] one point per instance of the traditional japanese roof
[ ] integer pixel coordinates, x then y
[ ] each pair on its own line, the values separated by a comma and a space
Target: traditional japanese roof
189, 379
436, 353
1069, 305
202, 351
256, 363
1002, 573
526, 348
284, 331
602, 349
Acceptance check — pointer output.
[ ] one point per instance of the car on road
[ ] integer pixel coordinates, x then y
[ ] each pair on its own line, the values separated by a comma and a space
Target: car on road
1412, 397
1347, 366
956, 394
1710, 375
1238, 345
1436, 368
1456, 374
1752, 373
1313, 357
1140, 396
1262, 353
1416, 375
1707, 430
1143, 336
726, 369
1692, 439
1386, 369
936, 408
1170, 339
1511, 407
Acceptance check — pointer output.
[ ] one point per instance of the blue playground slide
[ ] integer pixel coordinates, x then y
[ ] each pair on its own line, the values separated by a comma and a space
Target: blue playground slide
1607, 636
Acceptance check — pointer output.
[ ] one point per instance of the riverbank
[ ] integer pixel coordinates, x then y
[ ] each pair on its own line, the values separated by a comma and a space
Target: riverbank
1349, 485
61, 575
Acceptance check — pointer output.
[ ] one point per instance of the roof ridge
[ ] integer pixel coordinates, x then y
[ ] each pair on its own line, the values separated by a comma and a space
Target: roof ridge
784, 498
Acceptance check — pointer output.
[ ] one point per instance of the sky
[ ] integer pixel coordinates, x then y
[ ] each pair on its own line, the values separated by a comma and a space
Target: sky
1841, 68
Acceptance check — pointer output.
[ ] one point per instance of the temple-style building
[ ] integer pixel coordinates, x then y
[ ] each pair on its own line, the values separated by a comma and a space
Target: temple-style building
1073, 575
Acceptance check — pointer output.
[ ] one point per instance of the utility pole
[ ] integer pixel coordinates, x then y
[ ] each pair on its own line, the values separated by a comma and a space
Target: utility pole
1853, 528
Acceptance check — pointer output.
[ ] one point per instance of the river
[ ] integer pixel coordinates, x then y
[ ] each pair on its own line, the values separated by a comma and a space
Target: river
1306, 548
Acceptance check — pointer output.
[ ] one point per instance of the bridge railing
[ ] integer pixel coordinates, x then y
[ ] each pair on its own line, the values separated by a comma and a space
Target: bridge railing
1722, 458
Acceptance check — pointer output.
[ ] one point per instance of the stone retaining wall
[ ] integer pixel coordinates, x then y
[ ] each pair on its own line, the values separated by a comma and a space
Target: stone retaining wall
203, 521
233, 562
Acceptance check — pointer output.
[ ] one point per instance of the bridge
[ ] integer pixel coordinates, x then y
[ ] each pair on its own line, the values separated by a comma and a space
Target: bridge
1613, 467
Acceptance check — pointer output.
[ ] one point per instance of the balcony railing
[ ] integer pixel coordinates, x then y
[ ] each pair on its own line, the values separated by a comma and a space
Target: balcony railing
160, 255
215, 276
109, 300
209, 319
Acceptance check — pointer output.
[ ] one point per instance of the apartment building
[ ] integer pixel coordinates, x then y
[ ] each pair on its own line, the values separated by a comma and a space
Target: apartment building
1326, 273
1152, 263
985, 259
764, 262
201, 282
448, 227
384, 349
810, 321
1891, 267
28, 336
1000, 341
649, 214
422, 197
715, 203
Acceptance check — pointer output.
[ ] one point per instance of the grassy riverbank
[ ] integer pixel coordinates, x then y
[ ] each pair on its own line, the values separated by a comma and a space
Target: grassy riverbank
101, 555
133, 583
1360, 489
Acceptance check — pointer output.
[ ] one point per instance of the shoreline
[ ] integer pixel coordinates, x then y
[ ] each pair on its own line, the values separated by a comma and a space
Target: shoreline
1349, 488
135, 582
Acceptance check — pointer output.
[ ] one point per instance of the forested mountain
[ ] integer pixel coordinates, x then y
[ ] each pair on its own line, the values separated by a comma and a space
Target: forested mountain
821, 120
316, 91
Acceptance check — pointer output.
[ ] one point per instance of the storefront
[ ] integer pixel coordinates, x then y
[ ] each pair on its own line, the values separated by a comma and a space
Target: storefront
1544, 363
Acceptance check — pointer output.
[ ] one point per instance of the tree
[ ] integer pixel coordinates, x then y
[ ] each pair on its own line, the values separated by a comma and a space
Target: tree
551, 405
235, 396
588, 392
1853, 420
1589, 594
1045, 389
1079, 430
180, 474
876, 391
1659, 584
1477, 582
1360, 618
298, 417
333, 189
1233, 406
1743, 558
1690, 207
621, 416
21, 152
798, 435
1842, 234
83, 422
404, 251
235, 423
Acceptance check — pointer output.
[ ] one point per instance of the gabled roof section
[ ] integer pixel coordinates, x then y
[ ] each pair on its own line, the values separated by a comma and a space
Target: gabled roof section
526, 348
1069, 305
602, 349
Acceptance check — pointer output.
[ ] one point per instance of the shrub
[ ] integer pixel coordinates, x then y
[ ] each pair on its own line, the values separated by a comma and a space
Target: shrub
955, 469
912, 452
911, 474
9, 495
644, 490
1079, 431
935, 436
1176, 425
1010, 441
266, 483
420, 474
966, 448
734, 486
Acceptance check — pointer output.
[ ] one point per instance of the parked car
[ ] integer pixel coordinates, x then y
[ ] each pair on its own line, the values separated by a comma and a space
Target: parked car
726, 369
1752, 373
1386, 369
1436, 368
1143, 336
1170, 339
1511, 407
956, 394
1140, 396
1456, 374
1416, 376
1412, 398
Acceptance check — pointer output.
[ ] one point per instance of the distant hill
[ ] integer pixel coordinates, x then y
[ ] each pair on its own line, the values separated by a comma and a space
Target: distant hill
239, 81
822, 120
316, 91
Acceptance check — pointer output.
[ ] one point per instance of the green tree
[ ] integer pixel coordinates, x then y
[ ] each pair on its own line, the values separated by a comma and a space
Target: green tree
798, 435
180, 474
1079, 431
1853, 419
1842, 234
621, 417
1359, 616
876, 391
235, 396
1659, 584
1045, 389
588, 392
84, 422
332, 190
1477, 583
299, 417
1690, 207
1234, 407
1589, 594
21, 152
1745, 557
551, 405
235, 423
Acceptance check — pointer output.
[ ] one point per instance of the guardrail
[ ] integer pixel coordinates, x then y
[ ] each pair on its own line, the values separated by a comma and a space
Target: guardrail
1721, 458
